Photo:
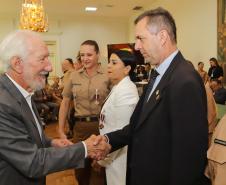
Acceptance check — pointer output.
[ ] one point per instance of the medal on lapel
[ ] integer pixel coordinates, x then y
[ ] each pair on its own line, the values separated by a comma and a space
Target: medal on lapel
157, 95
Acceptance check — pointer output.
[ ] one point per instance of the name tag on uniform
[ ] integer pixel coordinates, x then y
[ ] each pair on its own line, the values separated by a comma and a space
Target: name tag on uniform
221, 142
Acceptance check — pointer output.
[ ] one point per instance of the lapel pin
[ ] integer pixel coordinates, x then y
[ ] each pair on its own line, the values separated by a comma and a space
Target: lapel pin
157, 97
157, 92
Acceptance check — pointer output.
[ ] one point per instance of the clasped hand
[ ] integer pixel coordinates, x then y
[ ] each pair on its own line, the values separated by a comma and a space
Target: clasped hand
97, 147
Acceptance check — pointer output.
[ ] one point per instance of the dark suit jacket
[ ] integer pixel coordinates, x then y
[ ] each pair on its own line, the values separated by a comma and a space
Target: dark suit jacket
25, 158
167, 141
215, 72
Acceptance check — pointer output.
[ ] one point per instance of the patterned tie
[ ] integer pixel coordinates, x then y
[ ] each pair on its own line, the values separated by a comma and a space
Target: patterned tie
153, 76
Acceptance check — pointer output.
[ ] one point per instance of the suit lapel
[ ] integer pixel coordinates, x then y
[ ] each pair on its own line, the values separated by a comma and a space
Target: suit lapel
25, 109
38, 117
157, 95
137, 111
28, 117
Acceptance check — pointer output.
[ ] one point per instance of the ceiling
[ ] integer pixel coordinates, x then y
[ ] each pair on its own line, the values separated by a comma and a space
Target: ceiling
62, 8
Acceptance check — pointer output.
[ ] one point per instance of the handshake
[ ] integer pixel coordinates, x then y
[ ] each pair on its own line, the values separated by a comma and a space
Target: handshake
97, 147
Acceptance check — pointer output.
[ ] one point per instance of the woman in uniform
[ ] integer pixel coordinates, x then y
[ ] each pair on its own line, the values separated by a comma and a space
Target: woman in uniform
88, 87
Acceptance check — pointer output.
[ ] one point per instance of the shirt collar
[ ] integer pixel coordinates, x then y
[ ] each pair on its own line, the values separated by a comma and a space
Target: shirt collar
161, 69
124, 80
25, 93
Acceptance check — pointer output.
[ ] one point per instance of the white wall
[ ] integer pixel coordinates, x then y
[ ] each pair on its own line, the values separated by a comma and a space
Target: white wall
104, 31
6, 25
69, 33
196, 27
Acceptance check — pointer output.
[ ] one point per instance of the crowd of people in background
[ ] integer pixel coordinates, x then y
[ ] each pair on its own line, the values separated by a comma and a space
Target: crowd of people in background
216, 94
214, 79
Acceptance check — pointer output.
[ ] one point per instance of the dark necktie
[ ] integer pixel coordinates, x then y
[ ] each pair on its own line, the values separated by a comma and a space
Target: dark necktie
153, 76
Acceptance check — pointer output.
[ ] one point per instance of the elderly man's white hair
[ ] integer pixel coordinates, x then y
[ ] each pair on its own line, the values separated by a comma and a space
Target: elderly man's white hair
16, 44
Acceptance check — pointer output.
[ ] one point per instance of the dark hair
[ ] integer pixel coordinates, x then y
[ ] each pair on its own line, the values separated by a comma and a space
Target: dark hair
200, 63
127, 58
78, 57
162, 19
214, 60
92, 43
69, 60
217, 81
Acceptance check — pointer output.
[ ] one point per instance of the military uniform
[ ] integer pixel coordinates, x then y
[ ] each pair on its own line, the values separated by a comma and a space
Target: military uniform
66, 76
88, 95
70, 119
216, 155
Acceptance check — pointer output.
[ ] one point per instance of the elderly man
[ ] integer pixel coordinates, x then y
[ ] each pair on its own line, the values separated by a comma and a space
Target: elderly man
167, 136
26, 154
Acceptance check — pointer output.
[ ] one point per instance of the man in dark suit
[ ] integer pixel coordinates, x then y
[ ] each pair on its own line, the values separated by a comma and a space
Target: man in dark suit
26, 154
167, 136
